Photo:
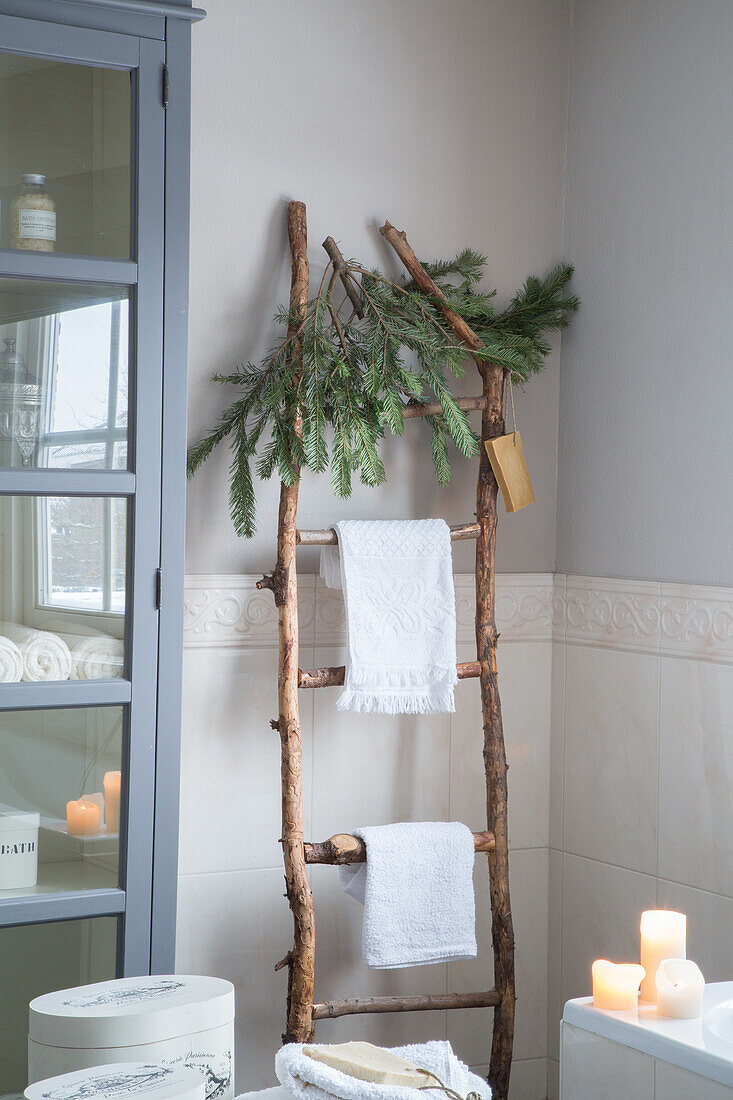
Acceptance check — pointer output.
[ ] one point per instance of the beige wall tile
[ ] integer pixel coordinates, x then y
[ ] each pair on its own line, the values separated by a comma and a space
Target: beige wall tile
707, 915
611, 734
696, 775
554, 955
373, 769
525, 673
601, 906
470, 1031
230, 760
236, 925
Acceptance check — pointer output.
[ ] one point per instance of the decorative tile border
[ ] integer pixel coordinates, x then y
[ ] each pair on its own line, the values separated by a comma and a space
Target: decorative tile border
229, 611
610, 613
672, 620
697, 622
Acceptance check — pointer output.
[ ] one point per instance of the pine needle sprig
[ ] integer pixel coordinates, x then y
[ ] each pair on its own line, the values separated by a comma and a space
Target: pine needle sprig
331, 390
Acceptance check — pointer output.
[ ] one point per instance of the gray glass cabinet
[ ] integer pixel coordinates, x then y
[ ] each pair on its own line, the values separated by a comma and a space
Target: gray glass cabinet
94, 100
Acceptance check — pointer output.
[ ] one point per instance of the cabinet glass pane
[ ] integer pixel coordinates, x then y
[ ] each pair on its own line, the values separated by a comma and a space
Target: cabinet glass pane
63, 374
60, 783
62, 588
39, 959
65, 134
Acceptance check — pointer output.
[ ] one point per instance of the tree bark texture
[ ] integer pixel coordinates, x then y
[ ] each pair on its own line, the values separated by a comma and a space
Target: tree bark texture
345, 848
495, 765
429, 1002
301, 960
335, 676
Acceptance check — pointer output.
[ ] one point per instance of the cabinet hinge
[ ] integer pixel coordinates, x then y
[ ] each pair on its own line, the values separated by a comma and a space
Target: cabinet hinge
158, 588
166, 85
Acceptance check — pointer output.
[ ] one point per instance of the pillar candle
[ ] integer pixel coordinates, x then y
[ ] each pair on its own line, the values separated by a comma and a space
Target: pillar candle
112, 787
616, 985
82, 818
663, 936
680, 986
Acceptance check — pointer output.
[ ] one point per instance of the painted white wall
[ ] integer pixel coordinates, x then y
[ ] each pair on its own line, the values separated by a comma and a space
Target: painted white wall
646, 450
448, 119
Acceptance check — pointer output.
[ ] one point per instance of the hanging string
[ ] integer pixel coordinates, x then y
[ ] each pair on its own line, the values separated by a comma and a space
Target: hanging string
511, 398
449, 1092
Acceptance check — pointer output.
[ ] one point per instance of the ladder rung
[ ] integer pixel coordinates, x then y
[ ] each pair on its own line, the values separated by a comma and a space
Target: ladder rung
345, 848
334, 677
328, 538
434, 408
330, 1010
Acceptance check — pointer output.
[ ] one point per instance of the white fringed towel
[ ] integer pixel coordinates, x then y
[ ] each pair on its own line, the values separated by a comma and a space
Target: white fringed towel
417, 890
397, 580
45, 656
11, 662
306, 1079
95, 656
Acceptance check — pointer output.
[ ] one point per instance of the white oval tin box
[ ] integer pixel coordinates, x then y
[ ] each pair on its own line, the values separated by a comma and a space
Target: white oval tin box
125, 1081
18, 848
176, 1019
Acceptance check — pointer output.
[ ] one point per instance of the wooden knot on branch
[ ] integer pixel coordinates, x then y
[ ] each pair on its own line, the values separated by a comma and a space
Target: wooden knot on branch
275, 581
287, 961
388, 229
275, 724
341, 268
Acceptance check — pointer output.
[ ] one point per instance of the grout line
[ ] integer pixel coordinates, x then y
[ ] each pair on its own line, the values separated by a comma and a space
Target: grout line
607, 863
278, 866
645, 874
659, 753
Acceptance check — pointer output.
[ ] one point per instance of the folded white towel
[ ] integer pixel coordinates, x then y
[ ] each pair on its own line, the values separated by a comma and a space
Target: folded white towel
417, 891
11, 663
397, 579
306, 1079
45, 655
95, 656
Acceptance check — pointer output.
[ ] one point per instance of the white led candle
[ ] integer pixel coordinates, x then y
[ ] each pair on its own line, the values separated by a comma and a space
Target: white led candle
680, 986
663, 936
616, 985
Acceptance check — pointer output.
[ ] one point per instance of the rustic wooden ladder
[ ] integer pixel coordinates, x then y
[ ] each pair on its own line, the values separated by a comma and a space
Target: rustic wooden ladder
302, 1010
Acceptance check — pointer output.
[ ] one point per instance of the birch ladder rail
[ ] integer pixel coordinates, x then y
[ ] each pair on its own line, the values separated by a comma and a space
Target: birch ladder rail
302, 1009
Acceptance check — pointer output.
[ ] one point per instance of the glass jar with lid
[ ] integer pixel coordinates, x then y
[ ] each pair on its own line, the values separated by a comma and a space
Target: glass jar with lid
33, 215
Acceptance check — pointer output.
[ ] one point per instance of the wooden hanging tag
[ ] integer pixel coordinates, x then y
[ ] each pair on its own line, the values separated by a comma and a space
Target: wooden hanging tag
510, 470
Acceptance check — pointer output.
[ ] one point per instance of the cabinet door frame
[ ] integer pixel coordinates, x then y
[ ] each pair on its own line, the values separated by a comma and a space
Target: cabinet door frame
141, 485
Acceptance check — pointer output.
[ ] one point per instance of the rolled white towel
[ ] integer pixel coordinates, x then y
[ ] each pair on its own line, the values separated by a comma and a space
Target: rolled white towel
95, 656
11, 663
45, 655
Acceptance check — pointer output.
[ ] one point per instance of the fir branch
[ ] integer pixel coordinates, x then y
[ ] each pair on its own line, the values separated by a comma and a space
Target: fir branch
358, 373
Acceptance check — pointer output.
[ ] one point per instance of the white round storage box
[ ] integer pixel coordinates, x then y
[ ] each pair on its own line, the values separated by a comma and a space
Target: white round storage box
18, 848
125, 1081
178, 1020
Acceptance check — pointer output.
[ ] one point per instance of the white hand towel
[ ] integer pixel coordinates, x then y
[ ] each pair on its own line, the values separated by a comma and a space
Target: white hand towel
306, 1079
397, 580
11, 662
45, 655
417, 891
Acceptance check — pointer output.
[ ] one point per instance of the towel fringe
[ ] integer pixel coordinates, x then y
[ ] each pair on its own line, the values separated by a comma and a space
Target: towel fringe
381, 702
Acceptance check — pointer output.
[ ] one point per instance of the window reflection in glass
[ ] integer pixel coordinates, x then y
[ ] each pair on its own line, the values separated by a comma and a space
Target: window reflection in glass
82, 553
62, 588
64, 365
